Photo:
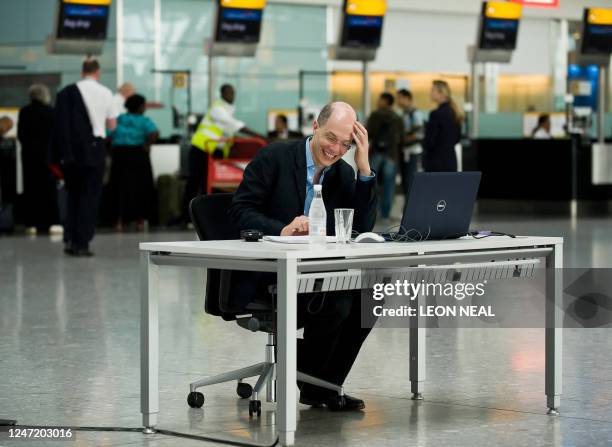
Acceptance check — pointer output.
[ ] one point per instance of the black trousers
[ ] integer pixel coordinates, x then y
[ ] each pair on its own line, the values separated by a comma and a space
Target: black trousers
332, 337
84, 188
40, 194
198, 177
131, 183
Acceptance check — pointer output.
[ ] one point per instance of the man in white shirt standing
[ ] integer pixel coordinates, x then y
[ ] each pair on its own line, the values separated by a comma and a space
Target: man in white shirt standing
83, 112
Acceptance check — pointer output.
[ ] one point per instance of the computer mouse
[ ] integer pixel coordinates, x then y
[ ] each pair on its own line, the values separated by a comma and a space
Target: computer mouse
369, 237
251, 235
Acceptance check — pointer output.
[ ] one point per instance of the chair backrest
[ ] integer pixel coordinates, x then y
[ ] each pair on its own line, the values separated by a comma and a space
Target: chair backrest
211, 221
209, 216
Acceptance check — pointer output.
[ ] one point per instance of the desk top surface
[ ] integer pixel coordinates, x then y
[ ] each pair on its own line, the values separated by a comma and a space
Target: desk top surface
239, 249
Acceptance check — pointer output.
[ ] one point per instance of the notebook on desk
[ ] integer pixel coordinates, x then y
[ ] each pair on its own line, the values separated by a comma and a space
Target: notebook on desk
295, 239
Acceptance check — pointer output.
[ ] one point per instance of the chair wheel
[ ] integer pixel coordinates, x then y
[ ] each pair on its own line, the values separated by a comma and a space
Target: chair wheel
255, 407
195, 399
244, 390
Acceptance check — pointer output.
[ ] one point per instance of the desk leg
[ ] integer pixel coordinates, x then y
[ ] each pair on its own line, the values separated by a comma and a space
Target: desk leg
554, 329
149, 342
417, 353
286, 323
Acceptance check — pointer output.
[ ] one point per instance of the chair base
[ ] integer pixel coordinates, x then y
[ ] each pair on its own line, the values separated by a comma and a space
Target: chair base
267, 377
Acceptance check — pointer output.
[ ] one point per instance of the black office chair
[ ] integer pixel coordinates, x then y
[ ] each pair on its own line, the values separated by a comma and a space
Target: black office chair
211, 221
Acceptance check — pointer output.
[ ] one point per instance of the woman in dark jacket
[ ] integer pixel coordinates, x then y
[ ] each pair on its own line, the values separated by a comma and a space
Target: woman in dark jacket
442, 131
34, 128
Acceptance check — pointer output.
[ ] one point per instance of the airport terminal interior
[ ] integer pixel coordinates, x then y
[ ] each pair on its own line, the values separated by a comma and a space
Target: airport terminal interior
175, 99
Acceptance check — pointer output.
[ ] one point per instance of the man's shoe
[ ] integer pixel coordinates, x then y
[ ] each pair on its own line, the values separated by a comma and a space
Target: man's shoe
315, 403
345, 403
81, 252
335, 403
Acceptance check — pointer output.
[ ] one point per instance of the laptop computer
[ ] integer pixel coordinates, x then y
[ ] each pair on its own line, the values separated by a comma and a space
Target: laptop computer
439, 206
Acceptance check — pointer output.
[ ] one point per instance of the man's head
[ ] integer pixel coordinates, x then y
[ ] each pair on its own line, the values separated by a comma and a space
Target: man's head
332, 133
281, 122
227, 93
126, 90
385, 101
91, 69
544, 122
404, 99
40, 93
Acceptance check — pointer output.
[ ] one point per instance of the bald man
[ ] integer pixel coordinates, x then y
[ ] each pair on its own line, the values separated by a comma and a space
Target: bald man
274, 197
123, 93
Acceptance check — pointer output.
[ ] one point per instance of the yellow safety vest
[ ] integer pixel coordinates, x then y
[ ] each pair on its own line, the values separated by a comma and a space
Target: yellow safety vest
208, 136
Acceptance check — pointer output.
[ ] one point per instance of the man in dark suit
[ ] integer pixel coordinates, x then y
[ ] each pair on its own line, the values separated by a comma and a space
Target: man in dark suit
275, 196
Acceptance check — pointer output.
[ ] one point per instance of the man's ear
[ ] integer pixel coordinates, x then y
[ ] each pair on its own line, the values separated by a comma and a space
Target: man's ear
315, 126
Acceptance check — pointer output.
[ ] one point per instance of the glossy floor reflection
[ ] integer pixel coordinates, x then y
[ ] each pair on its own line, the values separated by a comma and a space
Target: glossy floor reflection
69, 356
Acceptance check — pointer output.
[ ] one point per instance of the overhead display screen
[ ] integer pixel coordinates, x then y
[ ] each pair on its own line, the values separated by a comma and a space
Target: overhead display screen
362, 23
499, 25
83, 19
239, 21
538, 3
597, 31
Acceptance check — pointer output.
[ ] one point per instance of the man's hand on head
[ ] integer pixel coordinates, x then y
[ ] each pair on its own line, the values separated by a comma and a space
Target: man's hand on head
297, 227
360, 135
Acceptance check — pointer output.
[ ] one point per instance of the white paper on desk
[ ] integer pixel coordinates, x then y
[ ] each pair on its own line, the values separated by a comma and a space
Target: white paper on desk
295, 239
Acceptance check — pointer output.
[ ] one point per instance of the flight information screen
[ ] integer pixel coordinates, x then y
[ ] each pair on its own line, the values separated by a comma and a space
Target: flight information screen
499, 25
362, 24
239, 21
87, 20
597, 31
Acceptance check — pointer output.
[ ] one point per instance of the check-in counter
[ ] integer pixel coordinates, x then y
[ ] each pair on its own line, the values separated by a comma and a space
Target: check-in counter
525, 169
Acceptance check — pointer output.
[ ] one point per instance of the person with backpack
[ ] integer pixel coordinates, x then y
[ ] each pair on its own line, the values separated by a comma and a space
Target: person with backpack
385, 128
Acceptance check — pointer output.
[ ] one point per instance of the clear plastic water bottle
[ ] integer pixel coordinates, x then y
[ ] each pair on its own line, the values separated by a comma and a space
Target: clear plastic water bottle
317, 218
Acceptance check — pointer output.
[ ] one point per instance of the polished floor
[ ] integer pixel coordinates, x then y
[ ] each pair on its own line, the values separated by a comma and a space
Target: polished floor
69, 357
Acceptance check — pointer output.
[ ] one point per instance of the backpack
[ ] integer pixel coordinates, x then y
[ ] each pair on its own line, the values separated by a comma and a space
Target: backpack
384, 139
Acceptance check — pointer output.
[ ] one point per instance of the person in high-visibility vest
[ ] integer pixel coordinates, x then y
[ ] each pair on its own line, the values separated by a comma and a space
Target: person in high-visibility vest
213, 137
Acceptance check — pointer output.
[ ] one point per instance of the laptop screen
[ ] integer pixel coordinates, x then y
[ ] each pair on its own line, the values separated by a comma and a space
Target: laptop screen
439, 205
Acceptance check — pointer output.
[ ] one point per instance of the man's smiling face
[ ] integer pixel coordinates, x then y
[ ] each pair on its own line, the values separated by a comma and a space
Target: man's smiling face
332, 139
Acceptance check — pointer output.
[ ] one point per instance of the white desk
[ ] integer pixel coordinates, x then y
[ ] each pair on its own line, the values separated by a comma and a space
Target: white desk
289, 261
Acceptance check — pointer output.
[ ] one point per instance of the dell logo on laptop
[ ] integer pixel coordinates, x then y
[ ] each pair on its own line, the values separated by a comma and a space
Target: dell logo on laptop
441, 206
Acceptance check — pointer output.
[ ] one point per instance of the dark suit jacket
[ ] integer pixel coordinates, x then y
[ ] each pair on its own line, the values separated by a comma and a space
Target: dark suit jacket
73, 140
272, 194
441, 134
273, 191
